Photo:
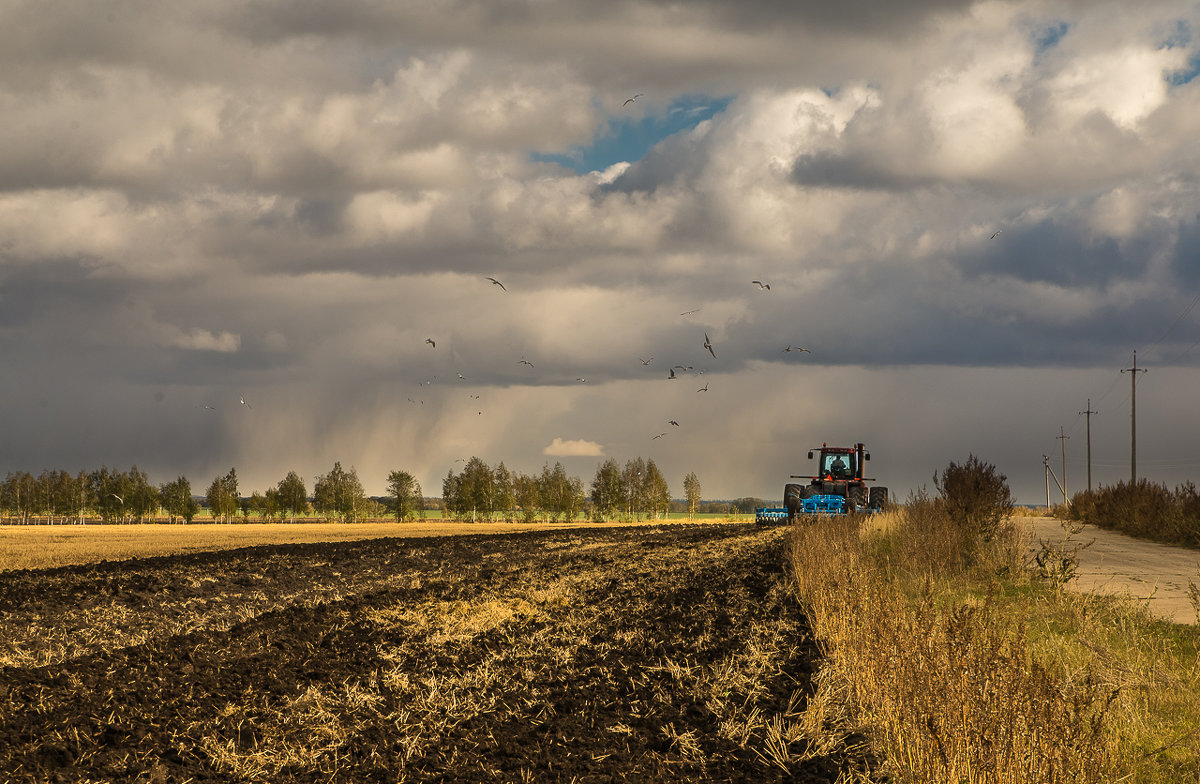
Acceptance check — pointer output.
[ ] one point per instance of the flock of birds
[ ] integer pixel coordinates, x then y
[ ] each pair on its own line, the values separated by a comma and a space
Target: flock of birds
646, 361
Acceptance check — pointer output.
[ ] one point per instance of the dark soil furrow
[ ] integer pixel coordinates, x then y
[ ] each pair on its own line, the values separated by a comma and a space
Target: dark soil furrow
656, 654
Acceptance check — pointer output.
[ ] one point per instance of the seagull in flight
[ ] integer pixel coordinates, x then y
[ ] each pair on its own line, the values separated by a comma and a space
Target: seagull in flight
631, 100
684, 368
672, 422
690, 312
581, 380
207, 406
703, 388
708, 345
430, 342
498, 283
672, 376
995, 234
119, 498
762, 285
797, 348
647, 361
461, 377
525, 362
242, 400
660, 435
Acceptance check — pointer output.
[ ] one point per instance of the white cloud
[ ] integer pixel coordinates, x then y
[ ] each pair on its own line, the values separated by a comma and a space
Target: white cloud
197, 339
575, 448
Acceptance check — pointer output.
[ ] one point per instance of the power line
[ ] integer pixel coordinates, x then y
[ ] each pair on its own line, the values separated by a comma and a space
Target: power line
1178, 319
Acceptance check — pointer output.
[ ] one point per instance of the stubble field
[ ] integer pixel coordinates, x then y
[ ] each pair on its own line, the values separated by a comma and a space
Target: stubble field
639, 654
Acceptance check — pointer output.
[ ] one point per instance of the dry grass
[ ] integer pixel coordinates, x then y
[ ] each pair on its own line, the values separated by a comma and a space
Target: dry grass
951, 694
968, 668
48, 546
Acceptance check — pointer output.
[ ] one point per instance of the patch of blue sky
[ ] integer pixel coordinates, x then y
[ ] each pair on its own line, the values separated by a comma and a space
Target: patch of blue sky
1181, 36
628, 138
1187, 73
1046, 37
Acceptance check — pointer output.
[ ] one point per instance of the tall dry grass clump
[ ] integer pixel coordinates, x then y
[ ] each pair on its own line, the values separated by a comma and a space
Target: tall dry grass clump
947, 691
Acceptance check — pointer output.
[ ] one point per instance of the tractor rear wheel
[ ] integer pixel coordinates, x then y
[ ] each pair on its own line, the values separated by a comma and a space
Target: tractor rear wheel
793, 500
877, 498
856, 498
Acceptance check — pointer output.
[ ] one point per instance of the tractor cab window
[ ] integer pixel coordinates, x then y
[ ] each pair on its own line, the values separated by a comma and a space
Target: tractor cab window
838, 465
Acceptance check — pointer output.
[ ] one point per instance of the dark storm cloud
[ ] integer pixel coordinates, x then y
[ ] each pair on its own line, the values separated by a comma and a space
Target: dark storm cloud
853, 16
1050, 251
857, 172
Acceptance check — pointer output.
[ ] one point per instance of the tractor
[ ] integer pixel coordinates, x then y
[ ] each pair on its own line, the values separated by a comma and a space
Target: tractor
838, 487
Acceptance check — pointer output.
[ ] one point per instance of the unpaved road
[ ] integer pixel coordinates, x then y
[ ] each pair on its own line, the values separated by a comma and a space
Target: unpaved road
1112, 563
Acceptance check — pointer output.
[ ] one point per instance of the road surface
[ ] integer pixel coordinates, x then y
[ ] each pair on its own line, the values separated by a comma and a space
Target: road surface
1150, 573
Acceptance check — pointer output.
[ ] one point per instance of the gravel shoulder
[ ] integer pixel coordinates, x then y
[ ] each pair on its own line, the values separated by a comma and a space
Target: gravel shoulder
1152, 574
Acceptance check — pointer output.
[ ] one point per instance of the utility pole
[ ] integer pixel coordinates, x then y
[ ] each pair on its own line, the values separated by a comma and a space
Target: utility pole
1088, 414
1050, 475
1062, 438
1046, 474
1133, 374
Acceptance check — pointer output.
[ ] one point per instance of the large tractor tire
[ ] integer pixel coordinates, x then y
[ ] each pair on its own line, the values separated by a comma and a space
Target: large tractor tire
856, 498
878, 498
793, 500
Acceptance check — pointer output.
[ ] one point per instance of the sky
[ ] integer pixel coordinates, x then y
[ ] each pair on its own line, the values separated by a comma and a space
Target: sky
261, 235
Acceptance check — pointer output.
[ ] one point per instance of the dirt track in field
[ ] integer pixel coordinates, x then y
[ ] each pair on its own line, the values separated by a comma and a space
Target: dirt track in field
647, 654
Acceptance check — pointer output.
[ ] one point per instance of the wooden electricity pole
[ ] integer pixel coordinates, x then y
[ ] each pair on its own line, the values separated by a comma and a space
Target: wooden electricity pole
1133, 374
1088, 415
1062, 438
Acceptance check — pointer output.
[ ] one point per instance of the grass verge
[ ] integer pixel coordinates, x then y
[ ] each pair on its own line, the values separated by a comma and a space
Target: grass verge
965, 665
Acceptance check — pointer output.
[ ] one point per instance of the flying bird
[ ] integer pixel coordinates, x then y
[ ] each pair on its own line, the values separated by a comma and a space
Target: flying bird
689, 312
708, 345
797, 348
647, 361
461, 377
581, 380
119, 498
995, 234
631, 100
703, 388
672, 422
660, 435
525, 362
210, 408
672, 374
498, 283
430, 342
244, 403
762, 285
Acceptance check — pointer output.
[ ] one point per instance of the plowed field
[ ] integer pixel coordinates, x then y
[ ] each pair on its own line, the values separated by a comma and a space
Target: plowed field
595, 655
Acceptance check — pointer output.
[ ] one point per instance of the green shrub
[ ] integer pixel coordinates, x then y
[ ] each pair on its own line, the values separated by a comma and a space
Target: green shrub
976, 497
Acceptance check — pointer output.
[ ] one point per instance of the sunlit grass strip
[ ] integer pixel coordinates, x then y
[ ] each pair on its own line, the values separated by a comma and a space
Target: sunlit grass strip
948, 695
44, 547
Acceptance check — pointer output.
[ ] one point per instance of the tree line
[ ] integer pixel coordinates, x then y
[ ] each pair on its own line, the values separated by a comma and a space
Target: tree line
634, 491
128, 496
